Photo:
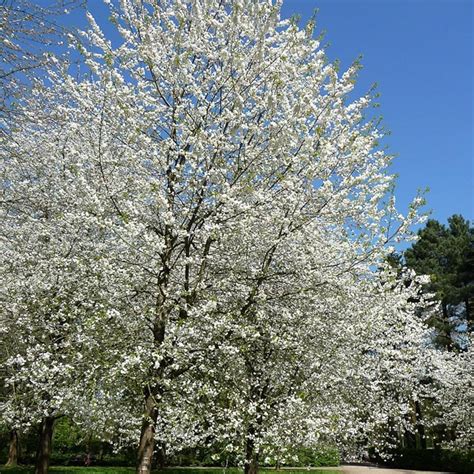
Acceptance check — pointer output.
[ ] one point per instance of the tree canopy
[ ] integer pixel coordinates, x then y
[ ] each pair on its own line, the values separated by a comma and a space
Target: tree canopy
195, 232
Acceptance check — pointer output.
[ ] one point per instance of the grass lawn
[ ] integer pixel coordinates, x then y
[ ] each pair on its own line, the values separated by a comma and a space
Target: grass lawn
171, 470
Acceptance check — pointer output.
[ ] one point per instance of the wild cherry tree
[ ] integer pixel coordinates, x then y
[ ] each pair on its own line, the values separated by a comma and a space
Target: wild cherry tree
220, 180
59, 315
306, 371
48, 284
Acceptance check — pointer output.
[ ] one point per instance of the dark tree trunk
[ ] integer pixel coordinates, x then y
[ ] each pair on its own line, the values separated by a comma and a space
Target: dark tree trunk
252, 466
445, 336
410, 439
13, 449
161, 456
147, 437
45, 445
420, 425
410, 434
146, 446
251, 457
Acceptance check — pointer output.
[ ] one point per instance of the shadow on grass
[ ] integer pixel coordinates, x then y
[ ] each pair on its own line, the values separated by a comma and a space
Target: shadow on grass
171, 470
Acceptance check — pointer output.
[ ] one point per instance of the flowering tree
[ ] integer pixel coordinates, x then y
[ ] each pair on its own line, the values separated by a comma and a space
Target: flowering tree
455, 400
216, 189
46, 291
306, 371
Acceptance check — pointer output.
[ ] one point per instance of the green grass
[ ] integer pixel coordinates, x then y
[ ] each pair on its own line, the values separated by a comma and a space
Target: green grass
171, 470
69, 470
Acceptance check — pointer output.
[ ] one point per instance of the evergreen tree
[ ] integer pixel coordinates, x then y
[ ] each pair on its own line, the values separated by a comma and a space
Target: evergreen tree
446, 254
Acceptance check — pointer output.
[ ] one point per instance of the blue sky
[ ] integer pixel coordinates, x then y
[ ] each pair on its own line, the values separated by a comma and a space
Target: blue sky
420, 53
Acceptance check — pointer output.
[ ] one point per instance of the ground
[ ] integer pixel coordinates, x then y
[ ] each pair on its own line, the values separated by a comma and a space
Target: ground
130, 470
377, 470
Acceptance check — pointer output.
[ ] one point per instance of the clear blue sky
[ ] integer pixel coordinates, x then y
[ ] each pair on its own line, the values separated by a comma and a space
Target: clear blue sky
420, 53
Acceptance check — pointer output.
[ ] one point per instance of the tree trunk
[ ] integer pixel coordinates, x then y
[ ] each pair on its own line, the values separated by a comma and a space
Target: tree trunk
161, 455
45, 445
13, 449
146, 446
410, 440
251, 457
252, 466
445, 331
147, 436
420, 425
410, 433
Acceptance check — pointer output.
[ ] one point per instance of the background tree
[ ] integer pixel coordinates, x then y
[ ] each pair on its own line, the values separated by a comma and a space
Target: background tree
292, 386
445, 253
